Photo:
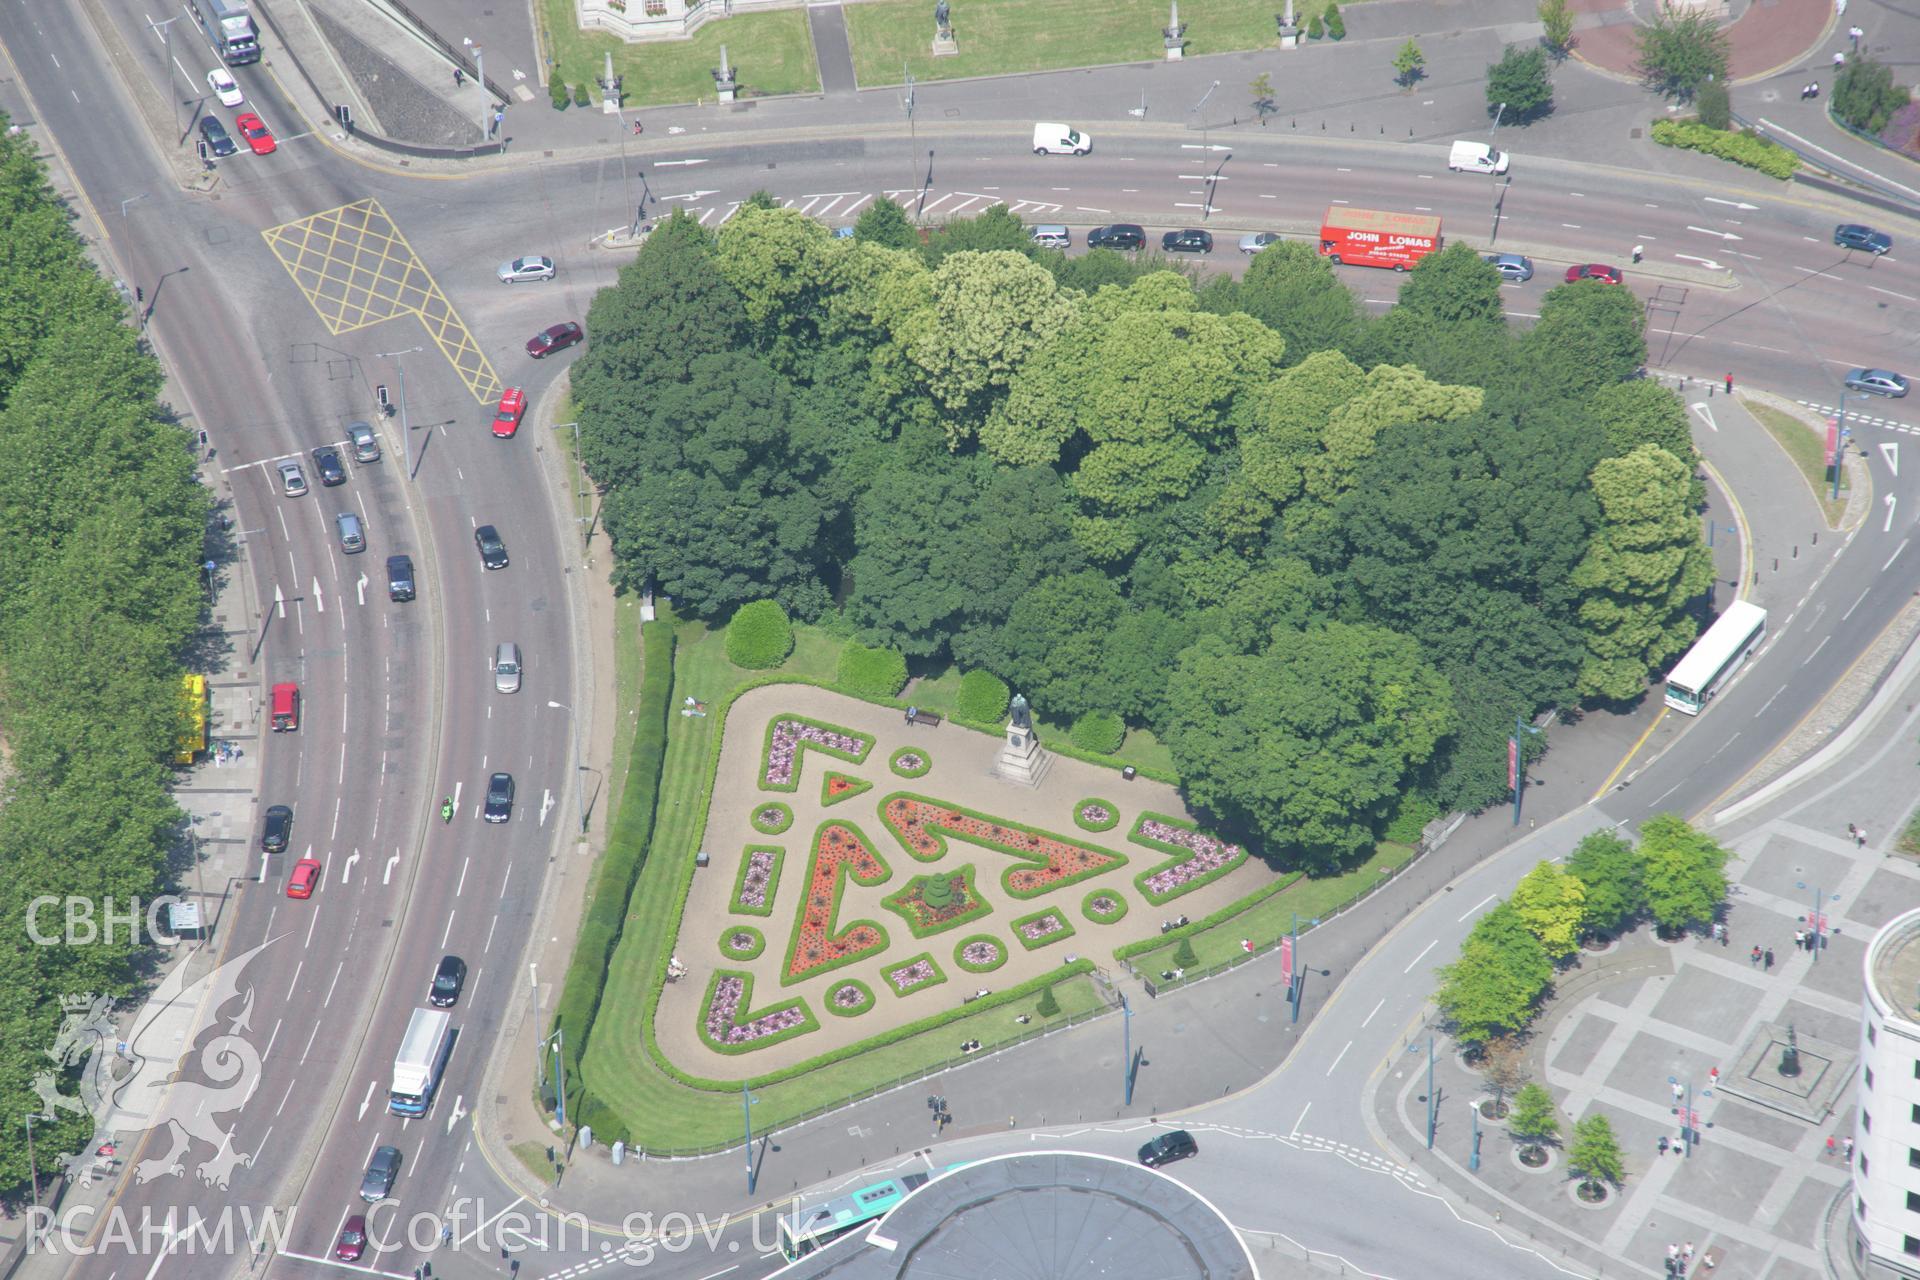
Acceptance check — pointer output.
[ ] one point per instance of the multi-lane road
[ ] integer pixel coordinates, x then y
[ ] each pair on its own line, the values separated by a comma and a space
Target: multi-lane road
278, 316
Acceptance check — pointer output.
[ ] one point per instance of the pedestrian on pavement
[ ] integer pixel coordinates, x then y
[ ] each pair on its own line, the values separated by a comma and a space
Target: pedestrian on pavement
1816, 88
1679, 1091
1830, 1144
1839, 59
1686, 1251
1848, 1147
1729, 384
459, 77
1769, 960
1713, 1076
1756, 955
1800, 939
1860, 838
1639, 251
1852, 830
1673, 1250
1806, 91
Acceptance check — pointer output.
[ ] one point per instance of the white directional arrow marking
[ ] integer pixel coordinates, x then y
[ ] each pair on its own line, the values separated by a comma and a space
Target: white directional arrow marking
360, 588
1890, 450
263, 867
663, 164
279, 601
1708, 263
346, 872
456, 1115
1737, 204
533, 976
366, 1101
1194, 146
319, 600
1706, 415
392, 862
691, 195
1892, 505
1709, 231
546, 803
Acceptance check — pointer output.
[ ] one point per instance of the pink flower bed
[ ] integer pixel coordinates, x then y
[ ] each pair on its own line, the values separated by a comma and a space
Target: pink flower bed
784, 748
916, 821
849, 996
909, 976
1095, 814
726, 1002
753, 885
1209, 855
981, 953
1045, 926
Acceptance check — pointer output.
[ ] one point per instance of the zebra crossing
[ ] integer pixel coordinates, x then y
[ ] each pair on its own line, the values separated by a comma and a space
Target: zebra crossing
1855, 418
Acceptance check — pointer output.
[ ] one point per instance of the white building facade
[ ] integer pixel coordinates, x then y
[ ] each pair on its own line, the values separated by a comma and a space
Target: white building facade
1884, 1239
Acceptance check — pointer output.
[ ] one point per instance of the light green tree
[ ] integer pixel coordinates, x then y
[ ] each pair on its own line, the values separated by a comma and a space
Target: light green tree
988, 312
1495, 986
1553, 905
1609, 871
1595, 1153
1262, 91
1556, 21
1680, 49
1684, 869
1409, 64
781, 263
1533, 1119
1643, 570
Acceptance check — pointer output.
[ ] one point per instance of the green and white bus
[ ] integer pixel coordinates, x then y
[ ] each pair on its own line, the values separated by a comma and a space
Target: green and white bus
1729, 642
814, 1227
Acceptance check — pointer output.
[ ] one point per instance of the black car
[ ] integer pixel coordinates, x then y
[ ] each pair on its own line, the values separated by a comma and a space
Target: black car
278, 828
327, 464
1121, 235
447, 981
399, 577
493, 552
1177, 1145
499, 798
377, 1181
216, 137
1851, 235
1188, 241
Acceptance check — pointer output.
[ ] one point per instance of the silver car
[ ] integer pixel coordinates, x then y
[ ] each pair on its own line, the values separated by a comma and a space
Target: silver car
353, 540
1259, 240
293, 481
506, 668
1877, 382
521, 270
1511, 266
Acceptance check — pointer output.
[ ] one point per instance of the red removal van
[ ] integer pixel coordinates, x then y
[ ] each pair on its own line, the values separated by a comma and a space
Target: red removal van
286, 708
1372, 238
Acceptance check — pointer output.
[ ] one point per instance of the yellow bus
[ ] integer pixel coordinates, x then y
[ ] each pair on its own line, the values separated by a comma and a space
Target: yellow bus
193, 736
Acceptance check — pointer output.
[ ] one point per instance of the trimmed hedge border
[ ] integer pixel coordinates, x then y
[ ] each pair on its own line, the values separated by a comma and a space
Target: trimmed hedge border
827, 796
1183, 855
964, 943
771, 829
926, 762
1743, 148
737, 907
1119, 900
840, 877
1061, 934
730, 952
627, 849
858, 1009
1025, 859
1127, 950
981, 906
939, 975
806, 1024
1112, 819
801, 747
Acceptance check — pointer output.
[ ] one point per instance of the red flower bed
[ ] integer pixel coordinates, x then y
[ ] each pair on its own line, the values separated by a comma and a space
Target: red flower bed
815, 946
917, 823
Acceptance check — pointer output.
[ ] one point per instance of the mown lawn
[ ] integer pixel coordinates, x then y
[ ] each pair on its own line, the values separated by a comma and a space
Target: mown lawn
999, 37
771, 53
663, 1114
1807, 450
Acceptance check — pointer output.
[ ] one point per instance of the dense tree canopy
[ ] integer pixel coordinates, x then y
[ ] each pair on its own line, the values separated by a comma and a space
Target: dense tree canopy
1328, 560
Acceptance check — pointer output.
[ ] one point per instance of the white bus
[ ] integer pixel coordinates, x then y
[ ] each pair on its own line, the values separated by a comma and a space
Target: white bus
1714, 658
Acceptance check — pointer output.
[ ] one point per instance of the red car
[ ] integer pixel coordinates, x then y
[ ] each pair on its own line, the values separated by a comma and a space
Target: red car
1594, 271
254, 130
506, 419
305, 877
353, 1239
554, 338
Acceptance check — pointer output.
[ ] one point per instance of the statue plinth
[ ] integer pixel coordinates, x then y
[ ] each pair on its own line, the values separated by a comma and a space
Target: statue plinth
944, 45
1176, 43
1021, 760
725, 87
1289, 37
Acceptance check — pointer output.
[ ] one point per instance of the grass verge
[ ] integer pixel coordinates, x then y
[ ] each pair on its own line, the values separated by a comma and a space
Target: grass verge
1806, 448
1271, 917
771, 53
1004, 37
627, 669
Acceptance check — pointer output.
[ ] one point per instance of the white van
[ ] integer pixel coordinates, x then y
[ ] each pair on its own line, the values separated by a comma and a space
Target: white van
1058, 139
1476, 157
1051, 235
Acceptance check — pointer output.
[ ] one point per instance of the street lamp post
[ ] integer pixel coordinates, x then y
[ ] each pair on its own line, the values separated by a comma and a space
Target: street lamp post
480, 80
913, 128
1126, 1052
746, 1110
1199, 109
406, 435
1473, 1161
1516, 763
579, 765
33, 1166
1431, 1119
166, 37
1839, 441
581, 515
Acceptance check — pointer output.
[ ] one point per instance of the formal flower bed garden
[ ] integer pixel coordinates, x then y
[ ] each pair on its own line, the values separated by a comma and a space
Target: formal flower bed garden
759, 876
790, 735
742, 942
1103, 906
849, 998
937, 902
839, 850
1096, 815
980, 953
916, 974
836, 787
910, 762
772, 817
1201, 858
1042, 928
920, 822
729, 1027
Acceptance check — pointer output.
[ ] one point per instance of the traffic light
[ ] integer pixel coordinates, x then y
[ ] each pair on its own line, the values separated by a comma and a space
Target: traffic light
139, 294
344, 115
380, 394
